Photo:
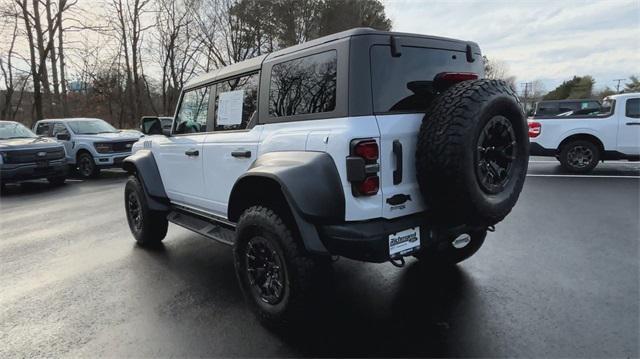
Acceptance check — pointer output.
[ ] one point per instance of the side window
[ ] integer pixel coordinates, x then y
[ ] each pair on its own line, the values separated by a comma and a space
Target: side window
192, 116
549, 108
304, 85
236, 103
59, 128
633, 108
43, 129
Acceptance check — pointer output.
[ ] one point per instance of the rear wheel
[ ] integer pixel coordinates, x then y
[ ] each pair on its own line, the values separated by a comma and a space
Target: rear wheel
87, 166
472, 153
579, 156
274, 270
147, 226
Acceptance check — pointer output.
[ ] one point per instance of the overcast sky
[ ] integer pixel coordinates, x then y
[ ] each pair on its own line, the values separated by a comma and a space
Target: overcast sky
539, 40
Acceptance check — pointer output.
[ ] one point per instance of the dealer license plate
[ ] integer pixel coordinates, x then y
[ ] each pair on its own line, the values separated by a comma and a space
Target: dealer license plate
404, 242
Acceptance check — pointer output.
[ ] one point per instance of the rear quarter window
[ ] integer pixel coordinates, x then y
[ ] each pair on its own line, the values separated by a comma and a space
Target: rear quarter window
304, 85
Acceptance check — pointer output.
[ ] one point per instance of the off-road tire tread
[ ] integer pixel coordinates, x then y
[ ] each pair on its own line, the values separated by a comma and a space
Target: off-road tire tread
154, 223
300, 265
441, 144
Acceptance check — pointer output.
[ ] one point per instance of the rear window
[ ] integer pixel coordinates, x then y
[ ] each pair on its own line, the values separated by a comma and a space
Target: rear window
567, 108
404, 84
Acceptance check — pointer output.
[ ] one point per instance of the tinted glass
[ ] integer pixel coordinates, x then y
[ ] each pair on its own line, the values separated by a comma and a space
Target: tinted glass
633, 108
194, 109
547, 108
236, 103
43, 129
305, 85
405, 83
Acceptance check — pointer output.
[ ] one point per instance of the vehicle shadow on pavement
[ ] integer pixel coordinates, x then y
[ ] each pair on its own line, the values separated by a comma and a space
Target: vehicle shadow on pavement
412, 321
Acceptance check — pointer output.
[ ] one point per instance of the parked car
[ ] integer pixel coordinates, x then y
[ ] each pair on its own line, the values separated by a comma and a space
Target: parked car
25, 156
559, 107
91, 143
579, 141
324, 149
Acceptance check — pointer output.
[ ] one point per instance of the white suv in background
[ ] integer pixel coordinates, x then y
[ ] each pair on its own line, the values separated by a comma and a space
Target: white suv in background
580, 141
91, 144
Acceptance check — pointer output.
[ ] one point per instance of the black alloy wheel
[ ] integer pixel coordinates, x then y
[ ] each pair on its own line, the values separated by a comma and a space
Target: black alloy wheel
495, 154
580, 157
134, 211
86, 166
265, 270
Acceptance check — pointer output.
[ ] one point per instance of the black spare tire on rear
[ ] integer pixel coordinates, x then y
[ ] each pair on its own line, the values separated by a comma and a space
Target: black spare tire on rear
472, 153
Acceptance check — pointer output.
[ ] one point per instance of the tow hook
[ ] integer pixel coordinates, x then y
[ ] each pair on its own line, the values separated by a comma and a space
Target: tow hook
399, 262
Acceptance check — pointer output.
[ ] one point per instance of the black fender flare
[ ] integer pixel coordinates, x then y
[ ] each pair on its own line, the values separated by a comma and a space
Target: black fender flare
144, 166
310, 184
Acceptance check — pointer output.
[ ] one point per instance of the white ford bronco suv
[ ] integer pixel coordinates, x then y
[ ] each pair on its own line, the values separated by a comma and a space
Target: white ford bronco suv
364, 144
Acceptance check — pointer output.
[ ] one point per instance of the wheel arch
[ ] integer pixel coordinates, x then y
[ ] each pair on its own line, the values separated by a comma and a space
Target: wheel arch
582, 137
142, 164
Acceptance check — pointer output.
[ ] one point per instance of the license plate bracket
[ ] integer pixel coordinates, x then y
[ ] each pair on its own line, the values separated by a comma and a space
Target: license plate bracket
404, 242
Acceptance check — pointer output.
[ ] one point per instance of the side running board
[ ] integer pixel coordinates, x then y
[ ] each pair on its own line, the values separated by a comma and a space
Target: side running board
202, 226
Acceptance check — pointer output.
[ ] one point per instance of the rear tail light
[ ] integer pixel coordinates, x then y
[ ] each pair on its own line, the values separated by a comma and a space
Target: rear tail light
369, 186
363, 167
534, 129
367, 149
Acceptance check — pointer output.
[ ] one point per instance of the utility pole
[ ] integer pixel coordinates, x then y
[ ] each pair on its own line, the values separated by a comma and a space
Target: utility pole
618, 85
527, 86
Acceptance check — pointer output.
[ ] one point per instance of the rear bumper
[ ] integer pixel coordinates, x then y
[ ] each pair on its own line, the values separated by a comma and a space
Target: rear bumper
29, 171
369, 240
535, 149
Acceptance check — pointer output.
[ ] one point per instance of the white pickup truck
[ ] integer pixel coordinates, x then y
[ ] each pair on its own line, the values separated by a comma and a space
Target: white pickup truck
580, 141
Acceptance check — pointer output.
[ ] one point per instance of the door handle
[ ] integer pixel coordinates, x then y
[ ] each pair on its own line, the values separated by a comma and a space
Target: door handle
633, 123
397, 151
192, 153
239, 154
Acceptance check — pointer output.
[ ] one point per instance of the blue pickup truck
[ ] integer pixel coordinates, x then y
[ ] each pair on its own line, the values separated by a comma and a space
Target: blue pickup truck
25, 156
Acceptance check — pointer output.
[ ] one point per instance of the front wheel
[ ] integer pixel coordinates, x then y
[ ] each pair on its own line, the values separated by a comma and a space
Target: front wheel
579, 156
147, 226
87, 166
273, 269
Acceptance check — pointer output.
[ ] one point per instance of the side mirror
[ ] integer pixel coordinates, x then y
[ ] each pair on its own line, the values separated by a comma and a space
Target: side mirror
166, 132
151, 126
63, 137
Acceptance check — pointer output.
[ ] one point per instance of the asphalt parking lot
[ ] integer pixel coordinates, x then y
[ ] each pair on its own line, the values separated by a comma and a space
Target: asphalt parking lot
560, 277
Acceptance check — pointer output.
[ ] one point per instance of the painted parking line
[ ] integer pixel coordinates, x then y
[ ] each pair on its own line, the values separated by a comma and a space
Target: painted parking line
605, 163
73, 180
583, 176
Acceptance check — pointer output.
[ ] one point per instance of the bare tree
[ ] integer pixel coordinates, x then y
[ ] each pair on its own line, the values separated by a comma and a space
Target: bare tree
177, 49
8, 70
129, 29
